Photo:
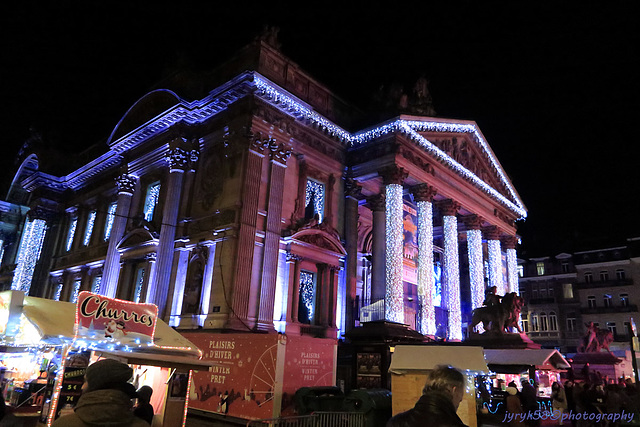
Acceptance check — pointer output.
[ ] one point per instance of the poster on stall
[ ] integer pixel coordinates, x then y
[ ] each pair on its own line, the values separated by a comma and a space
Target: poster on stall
243, 381
104, 321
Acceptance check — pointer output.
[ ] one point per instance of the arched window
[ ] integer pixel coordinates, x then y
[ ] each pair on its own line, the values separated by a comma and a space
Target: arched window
534, 322
543, 322
553, 321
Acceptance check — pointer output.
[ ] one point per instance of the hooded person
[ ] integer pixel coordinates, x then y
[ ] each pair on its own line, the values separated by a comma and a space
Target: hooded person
441, 396
514, 407
143, 408
106, 398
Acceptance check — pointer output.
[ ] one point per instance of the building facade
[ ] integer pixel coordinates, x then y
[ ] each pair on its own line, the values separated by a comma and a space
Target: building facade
264, 225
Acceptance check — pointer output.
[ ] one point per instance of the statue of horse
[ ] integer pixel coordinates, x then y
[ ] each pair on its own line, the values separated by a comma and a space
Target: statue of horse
500, 317
595, 339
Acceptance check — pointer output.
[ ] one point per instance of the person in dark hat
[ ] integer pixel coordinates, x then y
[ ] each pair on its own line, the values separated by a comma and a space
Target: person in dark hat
106, 398
143, 408
441, 396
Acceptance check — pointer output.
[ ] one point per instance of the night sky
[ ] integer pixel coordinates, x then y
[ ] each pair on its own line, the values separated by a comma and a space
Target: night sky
554, 88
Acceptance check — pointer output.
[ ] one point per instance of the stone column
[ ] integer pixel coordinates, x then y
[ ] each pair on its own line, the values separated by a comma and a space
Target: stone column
247, 232
333, 279
149, 277
476, 266
393, 178
377, 205
178, 160
509, 244
293, 294
279, 153
423, 196
495, 259
205, 295
182, 264
126, 186
451, 270
352, 192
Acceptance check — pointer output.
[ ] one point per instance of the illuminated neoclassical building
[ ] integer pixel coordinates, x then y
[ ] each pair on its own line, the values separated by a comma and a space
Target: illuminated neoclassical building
257, 215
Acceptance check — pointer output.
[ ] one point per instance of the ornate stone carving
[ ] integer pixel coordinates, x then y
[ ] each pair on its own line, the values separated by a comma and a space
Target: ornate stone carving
393, 175
42, 212
505, 218
417, 160
509, 242
151, 257
291, 257
352, 188
126, 184
491, 233
473, 222
423, 192
378, 202
279, 152
449, 207
178, 159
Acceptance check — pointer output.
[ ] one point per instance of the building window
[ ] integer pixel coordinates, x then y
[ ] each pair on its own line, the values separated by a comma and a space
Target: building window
567, 290
604, 276
137, 295
565, 267
571, 322
314, 200
620, 274
612, 327
540, 268
525, 325
550, 291
543, 322
591, 301
624, 300
534, 293
111, 214
95, 284
520, 271
534, 323
553, 321
151, 200
76, 290
543, 292
72, 232
607, 300
588, 277
307, 296
627, 328
523, 293
91, 219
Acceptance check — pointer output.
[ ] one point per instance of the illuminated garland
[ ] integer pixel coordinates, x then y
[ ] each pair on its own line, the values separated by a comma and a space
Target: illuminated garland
76, 291
97, 281
71, 233
476, 277
307, 291
153, 193
1, 250
451, 272
58, 294
111, 214
426, 277
394, 304
28, 254
315, 191
512, 271
87, 233
495, 266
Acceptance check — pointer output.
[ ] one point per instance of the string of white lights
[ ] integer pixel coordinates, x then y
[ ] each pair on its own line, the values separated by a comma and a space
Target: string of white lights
512, 271
495, 266
28, 254
394, 304
426, 279
451, 282
476, 276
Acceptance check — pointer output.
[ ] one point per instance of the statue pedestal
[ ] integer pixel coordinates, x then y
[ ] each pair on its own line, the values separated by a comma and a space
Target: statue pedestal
502, 341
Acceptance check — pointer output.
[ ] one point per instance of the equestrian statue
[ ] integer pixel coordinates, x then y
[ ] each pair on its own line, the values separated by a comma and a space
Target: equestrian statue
499, 313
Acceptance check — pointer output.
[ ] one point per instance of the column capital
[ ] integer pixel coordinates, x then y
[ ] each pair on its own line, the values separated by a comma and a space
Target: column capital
449, 207
126, 184
352, 188
279, 152
509, 242
473, 222
257, 143
393, 174
423, 192
178, 159
378, 202
491, 233
291, 257
42, 212
151, 257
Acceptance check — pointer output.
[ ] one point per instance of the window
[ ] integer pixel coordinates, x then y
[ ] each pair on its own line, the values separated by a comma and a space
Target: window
571, 322
543, 292
620, 275
151, 200
604, 276
95, 284
543, 322
91, 219
534, 293
607, 300
588, 277
111, 214
520, 271
624, 300
612, 327
314, 200
525, 325
523, 293
76, 290
553, 321
534, 322
550, 291
627, 328
567, 290
565, 267
540, 268
137, 296
307, 296
72, 232
591, 301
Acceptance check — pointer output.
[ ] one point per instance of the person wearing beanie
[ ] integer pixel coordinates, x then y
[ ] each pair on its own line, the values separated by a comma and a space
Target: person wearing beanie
106, 398
143, 408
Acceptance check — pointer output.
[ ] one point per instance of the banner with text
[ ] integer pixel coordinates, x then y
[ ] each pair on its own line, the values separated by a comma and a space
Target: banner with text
103, 322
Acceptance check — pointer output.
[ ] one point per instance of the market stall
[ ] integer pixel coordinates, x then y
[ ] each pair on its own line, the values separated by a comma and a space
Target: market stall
411, 363
47, 346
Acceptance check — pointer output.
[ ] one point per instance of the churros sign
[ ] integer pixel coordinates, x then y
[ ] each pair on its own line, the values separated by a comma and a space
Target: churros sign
102, 320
